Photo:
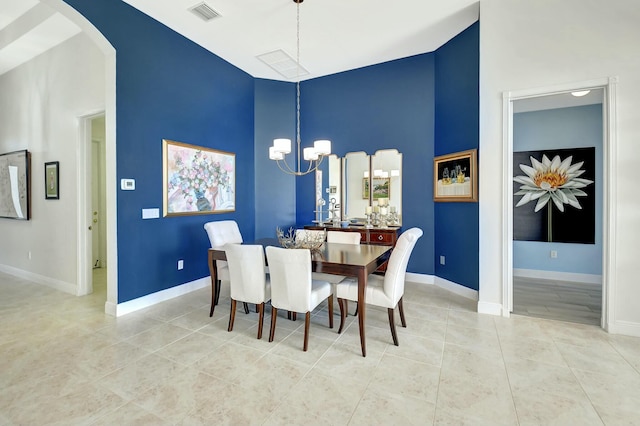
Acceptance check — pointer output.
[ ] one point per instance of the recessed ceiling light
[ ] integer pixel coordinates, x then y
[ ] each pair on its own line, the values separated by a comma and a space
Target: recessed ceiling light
580, 93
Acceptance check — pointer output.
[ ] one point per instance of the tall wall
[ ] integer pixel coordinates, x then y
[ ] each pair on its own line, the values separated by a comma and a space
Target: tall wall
39, 108
541, 43
167, 87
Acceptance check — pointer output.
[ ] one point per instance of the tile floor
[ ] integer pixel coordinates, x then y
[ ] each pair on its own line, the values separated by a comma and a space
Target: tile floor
558, 300
64, 362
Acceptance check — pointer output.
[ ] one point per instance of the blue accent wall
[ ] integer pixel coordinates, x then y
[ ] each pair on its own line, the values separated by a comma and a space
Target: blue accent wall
457, 129
389, 105
575, 127
169, 88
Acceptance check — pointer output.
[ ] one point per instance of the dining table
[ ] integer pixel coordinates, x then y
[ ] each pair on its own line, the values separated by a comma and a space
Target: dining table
351, 260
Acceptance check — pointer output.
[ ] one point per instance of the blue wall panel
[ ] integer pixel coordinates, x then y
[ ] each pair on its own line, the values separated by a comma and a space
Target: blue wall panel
169, 87
457, 129
389, 105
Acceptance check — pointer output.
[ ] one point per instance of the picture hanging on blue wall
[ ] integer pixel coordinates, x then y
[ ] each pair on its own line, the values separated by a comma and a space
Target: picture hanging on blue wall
554, 195
197, 180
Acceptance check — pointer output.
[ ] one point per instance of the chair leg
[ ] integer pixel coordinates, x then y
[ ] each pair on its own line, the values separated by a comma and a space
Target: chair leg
215, 295
246, 307
294, 316
343, 308
392, 324
218, 291
330, 301
307, 320
272, 330
232, 314
401, 309
260, 309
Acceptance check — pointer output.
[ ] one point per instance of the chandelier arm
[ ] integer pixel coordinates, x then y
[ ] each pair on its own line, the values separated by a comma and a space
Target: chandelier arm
287, 168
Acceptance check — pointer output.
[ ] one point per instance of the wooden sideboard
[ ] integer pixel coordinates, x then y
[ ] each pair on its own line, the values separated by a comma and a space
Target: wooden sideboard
381, 236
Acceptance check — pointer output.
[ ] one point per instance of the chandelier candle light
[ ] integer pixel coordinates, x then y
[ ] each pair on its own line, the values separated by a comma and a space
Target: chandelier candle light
281, 146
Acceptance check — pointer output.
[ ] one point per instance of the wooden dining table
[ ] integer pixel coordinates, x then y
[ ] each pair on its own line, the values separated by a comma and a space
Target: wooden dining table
352, 260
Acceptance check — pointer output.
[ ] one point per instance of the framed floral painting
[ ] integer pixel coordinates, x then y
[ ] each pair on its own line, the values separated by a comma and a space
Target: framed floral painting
197, 180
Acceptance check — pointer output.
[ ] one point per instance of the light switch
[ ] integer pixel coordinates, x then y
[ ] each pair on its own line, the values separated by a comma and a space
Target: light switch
127, 184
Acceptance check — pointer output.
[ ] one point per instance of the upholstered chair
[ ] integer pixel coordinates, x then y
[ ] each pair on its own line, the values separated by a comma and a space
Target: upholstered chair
384, 291
344, 237
248, 281
292, 287
220, 233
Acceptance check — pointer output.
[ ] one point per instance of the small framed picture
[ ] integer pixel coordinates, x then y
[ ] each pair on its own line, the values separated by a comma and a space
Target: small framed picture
52, 180
455, 177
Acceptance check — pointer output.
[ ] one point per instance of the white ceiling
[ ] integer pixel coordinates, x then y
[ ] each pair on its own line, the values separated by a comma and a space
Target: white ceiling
335, 35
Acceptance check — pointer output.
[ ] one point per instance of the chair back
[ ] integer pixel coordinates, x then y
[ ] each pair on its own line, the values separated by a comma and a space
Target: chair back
397, 266
290, 275
248, 281
223, 232
344, 237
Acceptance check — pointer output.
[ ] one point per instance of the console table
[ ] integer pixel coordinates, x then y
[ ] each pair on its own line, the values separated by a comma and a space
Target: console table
379, 236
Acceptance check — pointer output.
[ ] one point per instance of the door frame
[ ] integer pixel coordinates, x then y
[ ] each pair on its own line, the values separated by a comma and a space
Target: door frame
609, 148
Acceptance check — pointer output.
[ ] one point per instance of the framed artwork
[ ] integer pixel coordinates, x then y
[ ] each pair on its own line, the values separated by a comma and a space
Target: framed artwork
381, 188
554, 195
52, 180
455, 177
15, 185
197, 180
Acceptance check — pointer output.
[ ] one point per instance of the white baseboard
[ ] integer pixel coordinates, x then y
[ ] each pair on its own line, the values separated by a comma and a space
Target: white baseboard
419, 278
40, 279
560, 276
490, 308
456, 288
625, 328
125, 308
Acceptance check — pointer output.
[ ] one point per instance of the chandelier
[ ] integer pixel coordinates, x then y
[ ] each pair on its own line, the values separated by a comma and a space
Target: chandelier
281, 146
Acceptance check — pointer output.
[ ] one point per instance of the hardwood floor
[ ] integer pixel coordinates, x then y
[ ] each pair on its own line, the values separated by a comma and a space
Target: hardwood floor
558, 300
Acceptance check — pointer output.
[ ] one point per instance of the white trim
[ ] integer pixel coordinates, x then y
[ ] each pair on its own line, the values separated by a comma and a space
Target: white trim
40, 279
419, 278
624, 327
492, 309
609, 209
456, 288
160, 296
560, 276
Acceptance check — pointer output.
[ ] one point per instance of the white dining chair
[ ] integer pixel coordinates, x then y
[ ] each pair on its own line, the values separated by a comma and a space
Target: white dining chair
384, 291
248, 281
345, 237
220, 233
293, 289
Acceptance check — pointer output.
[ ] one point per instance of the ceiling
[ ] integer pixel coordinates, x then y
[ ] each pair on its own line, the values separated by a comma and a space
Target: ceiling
335, 35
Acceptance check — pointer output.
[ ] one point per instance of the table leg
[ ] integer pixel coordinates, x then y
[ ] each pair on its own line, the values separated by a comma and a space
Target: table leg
214, 282
362, 284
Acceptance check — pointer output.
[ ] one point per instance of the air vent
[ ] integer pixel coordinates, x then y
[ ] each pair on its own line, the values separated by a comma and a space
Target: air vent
284, 64
204, 12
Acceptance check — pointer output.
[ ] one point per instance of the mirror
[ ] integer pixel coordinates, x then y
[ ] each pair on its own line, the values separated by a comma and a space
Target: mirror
328, 190
386, 180
356, 196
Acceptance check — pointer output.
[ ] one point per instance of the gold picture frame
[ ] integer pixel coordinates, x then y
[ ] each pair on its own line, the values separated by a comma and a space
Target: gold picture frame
455, 177
197, 180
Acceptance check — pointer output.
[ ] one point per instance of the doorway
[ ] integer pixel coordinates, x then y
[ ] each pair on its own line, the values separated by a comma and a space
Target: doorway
605, 205
98, 207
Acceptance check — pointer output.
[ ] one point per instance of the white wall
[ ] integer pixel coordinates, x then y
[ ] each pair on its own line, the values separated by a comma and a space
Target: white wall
529, 44
40, 103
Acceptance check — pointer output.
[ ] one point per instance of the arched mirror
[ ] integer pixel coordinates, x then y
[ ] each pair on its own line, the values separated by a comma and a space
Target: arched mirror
386, 181
356, 187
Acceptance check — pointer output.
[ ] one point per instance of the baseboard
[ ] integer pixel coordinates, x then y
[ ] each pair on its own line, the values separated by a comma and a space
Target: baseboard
559, 276
456, 288
40, 279
490, 308
130, 306
419, 278
625, 328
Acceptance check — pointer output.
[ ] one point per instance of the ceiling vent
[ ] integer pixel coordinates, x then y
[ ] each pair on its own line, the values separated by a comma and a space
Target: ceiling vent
204, 12
284, 64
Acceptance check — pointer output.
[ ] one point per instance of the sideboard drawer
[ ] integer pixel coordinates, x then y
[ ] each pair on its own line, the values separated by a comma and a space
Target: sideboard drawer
386, 238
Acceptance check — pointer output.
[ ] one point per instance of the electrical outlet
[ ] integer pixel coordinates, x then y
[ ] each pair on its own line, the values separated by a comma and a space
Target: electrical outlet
554, 254
442, 260
180, 264
29, 254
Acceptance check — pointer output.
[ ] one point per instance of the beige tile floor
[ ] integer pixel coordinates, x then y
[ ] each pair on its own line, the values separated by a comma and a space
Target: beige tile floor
64, 362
